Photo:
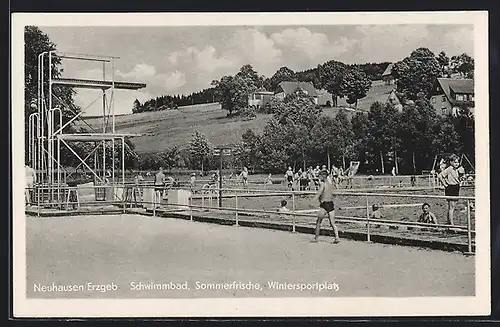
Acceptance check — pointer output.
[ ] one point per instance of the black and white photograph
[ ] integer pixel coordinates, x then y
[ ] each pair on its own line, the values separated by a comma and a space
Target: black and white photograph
238, 164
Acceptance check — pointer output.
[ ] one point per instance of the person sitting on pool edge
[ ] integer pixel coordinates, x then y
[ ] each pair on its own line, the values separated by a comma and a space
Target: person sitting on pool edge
427, 216
376, 213
283, 209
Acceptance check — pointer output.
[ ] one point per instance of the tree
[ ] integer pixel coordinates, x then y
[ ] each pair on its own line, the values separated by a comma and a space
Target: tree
131, 158
249, 154
382, 131
36, 42
464, 125
290, 127
446, 138
284, 74
359, 123
233, 91
250, 76
298, 110
170, 158
463, 64
374, 71
344, 136
137, 107
275, 146
330, 75
325, 134
416, 135
272, 106
355, 84
444, 63
310, 75
417, 73
199, 148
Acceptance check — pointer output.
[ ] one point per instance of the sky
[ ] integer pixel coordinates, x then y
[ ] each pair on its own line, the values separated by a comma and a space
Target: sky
184, 59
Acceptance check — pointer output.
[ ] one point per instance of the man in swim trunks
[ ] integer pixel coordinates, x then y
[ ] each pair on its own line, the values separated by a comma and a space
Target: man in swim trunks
303, 181
244, 177
326, 206
289, 177
159, 186
450, 178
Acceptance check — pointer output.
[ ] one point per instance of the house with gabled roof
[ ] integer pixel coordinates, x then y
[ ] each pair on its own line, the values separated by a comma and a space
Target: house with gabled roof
286, 88
449, 94
393, 99
387, 76
259, 98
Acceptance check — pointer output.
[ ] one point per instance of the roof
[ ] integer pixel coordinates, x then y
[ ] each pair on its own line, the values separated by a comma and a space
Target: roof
322, 92
263, 92
388, 70
290, 87
466, 86
457, 85
393, 98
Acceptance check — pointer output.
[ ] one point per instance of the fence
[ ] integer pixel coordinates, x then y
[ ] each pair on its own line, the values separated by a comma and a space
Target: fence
352, 208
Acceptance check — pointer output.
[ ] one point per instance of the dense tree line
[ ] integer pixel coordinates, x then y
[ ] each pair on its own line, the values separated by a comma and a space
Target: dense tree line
167, 102
300, 135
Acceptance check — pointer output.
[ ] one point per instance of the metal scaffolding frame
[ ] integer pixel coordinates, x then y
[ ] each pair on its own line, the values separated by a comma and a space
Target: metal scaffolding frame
47, 131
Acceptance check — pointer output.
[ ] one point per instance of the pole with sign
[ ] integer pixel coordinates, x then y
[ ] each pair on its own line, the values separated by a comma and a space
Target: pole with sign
221, 152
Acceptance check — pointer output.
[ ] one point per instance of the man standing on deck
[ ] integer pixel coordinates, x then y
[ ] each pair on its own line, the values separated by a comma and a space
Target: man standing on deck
159, 186
30, 183
326, 206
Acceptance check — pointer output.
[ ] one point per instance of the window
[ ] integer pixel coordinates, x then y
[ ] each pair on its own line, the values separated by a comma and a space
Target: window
460, 97
471, 96
443, 98
433, 99
444, 111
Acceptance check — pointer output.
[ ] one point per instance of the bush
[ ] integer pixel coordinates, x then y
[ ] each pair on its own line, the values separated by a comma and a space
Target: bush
247, 113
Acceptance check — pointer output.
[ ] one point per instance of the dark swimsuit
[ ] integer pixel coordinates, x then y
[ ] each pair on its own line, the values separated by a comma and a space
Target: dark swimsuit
452, 190
328, 206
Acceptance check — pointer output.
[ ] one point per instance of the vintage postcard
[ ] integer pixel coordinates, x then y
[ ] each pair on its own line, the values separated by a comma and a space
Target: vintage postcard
244, 164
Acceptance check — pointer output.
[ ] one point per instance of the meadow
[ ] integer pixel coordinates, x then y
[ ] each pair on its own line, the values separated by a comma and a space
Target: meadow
161, 130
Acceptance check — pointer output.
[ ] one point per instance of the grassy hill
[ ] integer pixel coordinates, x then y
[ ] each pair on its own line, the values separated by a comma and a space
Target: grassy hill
165, 129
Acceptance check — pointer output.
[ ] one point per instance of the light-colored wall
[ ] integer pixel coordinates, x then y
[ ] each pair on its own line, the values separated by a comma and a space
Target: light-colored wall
439, 102
280, 96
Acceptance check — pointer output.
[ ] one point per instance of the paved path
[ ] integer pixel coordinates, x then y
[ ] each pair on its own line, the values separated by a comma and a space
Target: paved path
134, 248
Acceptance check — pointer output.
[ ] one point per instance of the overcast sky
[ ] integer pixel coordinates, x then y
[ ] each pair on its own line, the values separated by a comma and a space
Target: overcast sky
181, 60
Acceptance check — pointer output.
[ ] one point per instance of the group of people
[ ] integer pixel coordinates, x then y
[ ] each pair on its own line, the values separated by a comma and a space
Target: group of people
450, 177
309, 179
242, 176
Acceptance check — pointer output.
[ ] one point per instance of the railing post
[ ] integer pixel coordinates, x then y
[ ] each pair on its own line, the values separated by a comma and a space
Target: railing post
191, 207
124, 197
154, 202
469, 229
38, 201
202, 199
236, 208
293, 212
368, 239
